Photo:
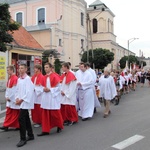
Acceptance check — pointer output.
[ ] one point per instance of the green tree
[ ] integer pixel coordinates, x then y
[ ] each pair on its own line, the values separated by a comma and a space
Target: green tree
139, 62
132, 59
102, 57
7, 26
57, 64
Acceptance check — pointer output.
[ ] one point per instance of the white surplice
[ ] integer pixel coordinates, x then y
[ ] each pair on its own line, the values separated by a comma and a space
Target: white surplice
122, 79
107, 87
38, 91
70, 92
85, 94
25, 90
10, 94
51, 100
96, 101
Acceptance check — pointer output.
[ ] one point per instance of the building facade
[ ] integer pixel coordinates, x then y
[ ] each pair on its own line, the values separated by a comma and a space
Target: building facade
55, 24
147, 60
62, 25
24, 49
101, 20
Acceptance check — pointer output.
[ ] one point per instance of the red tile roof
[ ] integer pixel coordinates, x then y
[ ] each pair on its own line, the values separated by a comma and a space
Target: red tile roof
22, 38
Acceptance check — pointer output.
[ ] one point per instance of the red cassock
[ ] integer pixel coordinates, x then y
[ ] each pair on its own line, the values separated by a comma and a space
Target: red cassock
69, 112
12, 115
11, 119
51, 117
36, 113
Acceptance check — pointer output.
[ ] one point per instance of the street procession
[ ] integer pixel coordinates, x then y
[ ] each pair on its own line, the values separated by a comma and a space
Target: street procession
57, 100
73, 75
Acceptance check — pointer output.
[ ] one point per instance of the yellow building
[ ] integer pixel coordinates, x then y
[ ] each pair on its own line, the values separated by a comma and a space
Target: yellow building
55, 24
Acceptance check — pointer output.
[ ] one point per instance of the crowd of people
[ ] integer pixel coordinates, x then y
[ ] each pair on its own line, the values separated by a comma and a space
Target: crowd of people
58, 100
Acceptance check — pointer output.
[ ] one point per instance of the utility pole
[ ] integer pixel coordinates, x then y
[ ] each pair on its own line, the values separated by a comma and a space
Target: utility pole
87, 22
89, 26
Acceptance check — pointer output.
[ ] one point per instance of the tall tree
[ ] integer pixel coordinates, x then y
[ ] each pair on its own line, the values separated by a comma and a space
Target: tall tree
7, 26
57, 65
102, 57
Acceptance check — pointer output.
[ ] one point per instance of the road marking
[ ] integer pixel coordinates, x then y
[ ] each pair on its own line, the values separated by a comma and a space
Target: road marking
128, 142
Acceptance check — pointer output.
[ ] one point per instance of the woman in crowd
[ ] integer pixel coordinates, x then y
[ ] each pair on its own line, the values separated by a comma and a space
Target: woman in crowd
143, 76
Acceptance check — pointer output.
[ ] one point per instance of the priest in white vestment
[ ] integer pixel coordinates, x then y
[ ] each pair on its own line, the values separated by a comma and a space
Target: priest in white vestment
85, 93
94, 77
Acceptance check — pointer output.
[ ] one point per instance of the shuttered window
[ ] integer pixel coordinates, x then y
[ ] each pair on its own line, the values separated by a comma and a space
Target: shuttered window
41, 16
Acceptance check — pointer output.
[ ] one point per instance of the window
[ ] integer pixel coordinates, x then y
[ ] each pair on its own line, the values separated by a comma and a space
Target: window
19, 17
82, 19
94, 25
41, 16
60, 44
82, 43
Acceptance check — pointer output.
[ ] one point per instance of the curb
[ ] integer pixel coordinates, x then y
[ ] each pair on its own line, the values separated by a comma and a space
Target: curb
2, 116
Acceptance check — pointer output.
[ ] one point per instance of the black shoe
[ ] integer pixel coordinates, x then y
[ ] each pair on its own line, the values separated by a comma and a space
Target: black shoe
70, 123
66, 123
29, 138
21, 143
43, 134
95, 110
59, 130
85, 119
4, 128
16, 129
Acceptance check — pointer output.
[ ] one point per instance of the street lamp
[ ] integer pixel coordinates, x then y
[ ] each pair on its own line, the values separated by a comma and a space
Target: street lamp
129, 41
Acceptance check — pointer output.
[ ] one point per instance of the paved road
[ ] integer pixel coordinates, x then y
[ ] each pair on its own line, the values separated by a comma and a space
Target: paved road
130, 118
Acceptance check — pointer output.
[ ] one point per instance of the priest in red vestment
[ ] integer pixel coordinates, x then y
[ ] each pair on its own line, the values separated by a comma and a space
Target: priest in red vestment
12, 111
38, 81
68, 96
50, 104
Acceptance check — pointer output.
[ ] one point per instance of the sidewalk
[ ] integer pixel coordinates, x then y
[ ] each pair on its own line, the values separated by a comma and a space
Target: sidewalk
2, 97
2, 106
2, 100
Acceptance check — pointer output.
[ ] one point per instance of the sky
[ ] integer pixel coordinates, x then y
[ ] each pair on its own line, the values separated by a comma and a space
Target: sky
131, 21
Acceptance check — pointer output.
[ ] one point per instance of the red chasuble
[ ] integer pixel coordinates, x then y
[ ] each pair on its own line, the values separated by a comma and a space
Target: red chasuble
12, 81
69, 77
39, 79
54, 79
